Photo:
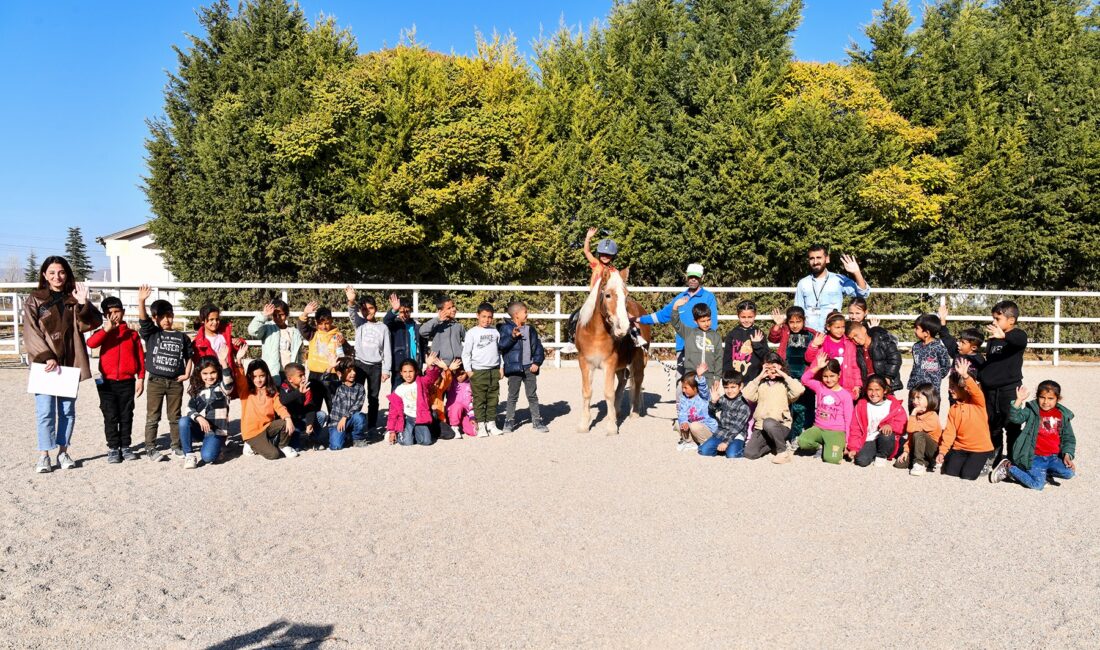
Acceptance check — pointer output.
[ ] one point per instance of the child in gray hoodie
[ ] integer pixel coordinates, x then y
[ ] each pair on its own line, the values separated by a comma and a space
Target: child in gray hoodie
702, 345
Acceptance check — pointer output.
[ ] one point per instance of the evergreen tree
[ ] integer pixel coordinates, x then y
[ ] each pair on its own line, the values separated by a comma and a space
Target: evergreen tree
31, 270
76, 252
890, 58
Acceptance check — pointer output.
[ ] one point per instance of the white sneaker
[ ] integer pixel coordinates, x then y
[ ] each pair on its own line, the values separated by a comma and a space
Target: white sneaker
483, 430
190, 461
880, 462
65, 460
248, 450
493, 430
289, 452
917, 470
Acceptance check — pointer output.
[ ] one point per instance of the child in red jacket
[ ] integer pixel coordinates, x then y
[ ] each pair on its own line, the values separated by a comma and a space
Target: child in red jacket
878, 425
121, 378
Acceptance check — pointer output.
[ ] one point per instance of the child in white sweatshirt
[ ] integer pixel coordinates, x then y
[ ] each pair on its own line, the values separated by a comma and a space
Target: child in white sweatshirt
481, 357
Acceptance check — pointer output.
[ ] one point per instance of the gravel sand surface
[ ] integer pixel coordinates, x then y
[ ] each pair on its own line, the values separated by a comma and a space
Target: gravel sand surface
559, 539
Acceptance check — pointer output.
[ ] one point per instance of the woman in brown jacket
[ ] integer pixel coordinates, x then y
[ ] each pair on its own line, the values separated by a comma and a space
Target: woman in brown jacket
55, 318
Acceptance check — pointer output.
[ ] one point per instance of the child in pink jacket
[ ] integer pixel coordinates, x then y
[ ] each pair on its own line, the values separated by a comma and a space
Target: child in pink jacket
836, 345
833, 415
460, 404
878, 425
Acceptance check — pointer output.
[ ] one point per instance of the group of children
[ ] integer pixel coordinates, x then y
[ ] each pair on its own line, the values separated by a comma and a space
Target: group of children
831, 394
827, 393
309, 387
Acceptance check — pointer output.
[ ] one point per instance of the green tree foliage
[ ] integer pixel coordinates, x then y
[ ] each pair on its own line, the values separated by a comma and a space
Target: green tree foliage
76, 252
1012, 89
962, 152
31, 270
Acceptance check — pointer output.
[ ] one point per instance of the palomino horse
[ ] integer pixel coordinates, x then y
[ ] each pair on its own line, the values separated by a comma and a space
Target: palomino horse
603, 341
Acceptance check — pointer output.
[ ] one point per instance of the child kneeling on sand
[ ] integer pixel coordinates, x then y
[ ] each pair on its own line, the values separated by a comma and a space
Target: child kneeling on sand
923, 428
833, 413
693, 418
966, 445
1046, 444
410, 416
733, 419
773, 391
878, 425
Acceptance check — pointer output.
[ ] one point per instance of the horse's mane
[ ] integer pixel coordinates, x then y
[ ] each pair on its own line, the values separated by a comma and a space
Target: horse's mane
607, 279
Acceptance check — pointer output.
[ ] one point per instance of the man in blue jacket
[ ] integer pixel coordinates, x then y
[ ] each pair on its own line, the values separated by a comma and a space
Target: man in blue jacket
695, 294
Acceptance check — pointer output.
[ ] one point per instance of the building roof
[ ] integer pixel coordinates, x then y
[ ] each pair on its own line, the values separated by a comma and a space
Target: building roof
123, 234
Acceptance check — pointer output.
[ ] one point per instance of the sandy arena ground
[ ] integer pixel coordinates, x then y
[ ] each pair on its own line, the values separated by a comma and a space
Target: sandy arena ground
559, 539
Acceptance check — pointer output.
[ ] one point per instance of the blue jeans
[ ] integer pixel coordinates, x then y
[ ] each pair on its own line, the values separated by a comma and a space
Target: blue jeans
56, 416
353, 430
415, 434
1042, 466
736, 448
211, 444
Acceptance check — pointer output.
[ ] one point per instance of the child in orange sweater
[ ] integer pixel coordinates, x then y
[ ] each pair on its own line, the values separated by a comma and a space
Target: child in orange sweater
966, 444
923, 428
259, 406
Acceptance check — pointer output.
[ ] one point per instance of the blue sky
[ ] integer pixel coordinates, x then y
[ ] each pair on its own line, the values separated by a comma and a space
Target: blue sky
79, 79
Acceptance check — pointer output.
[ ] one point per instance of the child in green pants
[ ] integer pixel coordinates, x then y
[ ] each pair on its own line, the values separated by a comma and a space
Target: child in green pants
833, 413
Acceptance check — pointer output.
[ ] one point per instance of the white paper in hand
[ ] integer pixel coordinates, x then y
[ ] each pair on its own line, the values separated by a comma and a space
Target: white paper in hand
59, 384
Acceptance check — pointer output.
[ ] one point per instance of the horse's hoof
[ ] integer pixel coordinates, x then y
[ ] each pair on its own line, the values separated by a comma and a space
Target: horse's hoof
635, 416
582, 428
612, 432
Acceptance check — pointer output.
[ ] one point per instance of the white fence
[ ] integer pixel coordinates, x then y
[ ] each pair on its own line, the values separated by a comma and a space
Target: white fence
11, 305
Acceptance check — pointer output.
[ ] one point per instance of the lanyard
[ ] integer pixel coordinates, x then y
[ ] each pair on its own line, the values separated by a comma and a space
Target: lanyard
817, 294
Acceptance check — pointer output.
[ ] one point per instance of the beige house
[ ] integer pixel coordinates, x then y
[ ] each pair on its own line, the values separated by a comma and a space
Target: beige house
135, 259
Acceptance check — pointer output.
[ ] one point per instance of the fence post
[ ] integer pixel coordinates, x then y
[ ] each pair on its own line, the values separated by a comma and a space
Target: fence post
557, 329
416, 301
16, 312
1057, 328
284, 298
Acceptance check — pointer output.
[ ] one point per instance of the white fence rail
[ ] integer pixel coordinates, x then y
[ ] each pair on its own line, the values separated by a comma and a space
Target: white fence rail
11, 305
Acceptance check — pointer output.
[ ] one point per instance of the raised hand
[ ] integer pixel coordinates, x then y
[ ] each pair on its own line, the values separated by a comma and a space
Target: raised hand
268, 310
778, 316
81, 293
395, 302
433, 359
994, 331
143, 293
311, 307
109, 324
874, 321
455, 364
242, 349
757, 336
591, 233
1021, 395
850, 264
350, 293
962, 366
819, 340
681, 302
702, 368
821, 360
943, 312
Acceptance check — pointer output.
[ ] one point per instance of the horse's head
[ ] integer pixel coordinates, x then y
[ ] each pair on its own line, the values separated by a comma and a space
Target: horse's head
612, 300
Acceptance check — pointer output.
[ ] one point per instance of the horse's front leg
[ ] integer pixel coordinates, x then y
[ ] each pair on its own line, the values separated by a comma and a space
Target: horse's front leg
611, 393
586, 395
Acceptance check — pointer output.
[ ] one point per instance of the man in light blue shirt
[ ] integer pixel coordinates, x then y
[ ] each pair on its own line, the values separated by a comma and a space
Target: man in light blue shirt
822, 291
696, 294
